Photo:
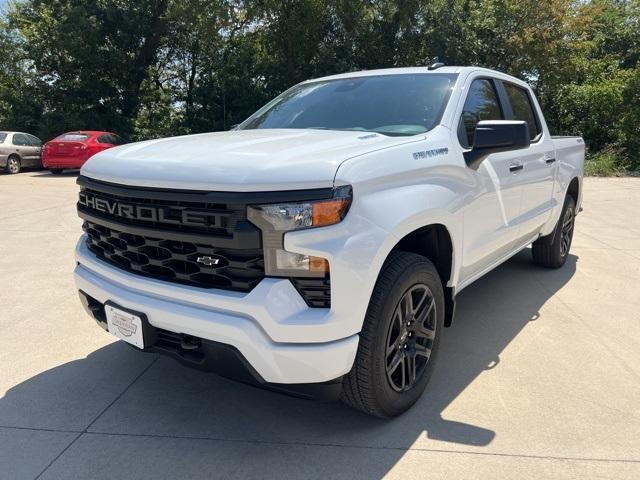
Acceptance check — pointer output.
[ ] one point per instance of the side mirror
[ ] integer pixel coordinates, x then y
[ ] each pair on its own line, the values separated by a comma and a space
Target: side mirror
493, 136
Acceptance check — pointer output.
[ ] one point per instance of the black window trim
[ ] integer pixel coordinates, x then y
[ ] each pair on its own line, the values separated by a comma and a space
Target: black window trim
501, 104
532, 104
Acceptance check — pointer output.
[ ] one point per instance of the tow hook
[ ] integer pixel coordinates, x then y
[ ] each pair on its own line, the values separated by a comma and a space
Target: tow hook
187, 342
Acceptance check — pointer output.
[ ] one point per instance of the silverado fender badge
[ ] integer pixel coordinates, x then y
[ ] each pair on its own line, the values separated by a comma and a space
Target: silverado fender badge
436, 152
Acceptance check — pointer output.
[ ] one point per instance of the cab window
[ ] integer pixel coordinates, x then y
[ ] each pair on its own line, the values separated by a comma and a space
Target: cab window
481, 104
522, 108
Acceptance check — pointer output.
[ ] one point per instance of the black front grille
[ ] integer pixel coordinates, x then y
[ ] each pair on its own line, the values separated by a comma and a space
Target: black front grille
183, 238
176, 261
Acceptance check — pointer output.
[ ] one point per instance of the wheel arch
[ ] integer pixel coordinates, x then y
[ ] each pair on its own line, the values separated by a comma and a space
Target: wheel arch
574, 189
435, 242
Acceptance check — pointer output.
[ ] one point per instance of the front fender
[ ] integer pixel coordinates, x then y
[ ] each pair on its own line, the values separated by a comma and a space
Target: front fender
357, 247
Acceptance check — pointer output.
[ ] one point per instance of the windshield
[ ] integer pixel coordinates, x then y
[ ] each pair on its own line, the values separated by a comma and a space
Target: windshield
404, 104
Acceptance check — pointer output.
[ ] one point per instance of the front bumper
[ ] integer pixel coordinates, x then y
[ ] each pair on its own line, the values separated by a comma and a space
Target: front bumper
273, 330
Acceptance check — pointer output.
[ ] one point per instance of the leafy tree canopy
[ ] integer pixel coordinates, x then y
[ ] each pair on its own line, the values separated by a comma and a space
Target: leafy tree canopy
150, 68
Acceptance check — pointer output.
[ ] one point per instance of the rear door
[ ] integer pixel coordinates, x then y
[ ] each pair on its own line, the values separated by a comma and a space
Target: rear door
24, 149
538, 161
490, 217
36, 147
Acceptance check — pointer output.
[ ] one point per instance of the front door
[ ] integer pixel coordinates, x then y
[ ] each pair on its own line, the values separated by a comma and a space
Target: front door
490, 216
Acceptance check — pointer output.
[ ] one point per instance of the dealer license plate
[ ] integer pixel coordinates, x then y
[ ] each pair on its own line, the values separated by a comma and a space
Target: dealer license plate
125, 325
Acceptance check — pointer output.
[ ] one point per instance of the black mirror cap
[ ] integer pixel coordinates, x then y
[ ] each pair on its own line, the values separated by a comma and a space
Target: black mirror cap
493, 136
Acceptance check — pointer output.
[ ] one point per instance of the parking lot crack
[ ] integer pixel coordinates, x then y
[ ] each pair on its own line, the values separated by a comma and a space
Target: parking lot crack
369, 447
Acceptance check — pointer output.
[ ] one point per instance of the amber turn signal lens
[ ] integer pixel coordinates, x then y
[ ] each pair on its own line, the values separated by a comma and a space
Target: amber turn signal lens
330, 212
318, 264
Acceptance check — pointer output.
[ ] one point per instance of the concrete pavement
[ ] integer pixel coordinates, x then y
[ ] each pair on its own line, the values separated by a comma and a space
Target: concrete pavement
538, 378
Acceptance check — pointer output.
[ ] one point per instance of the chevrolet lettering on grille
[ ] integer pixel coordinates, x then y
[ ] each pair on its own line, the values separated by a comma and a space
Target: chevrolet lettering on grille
151, 213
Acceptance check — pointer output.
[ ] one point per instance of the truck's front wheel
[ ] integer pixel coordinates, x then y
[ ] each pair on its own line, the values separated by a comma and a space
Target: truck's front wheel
399, 338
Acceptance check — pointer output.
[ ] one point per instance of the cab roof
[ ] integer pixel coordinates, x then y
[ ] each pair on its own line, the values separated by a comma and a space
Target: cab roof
415, 70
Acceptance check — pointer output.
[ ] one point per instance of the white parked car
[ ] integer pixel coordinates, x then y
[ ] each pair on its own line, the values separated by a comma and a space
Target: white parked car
319, 247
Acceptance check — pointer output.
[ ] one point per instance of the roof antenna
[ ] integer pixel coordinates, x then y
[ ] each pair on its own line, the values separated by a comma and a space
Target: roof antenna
435, 63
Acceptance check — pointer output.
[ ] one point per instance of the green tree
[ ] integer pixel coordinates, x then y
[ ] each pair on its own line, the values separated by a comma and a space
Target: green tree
154, 68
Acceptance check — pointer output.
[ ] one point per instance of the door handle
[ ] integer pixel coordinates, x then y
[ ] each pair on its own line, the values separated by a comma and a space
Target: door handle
549, 161
515, 167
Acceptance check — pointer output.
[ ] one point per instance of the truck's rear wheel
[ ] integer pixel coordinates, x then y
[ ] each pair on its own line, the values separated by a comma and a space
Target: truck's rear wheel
552, 251
399, 338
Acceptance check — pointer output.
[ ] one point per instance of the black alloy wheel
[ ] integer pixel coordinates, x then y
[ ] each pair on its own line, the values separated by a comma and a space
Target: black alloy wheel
410, 338
566, 234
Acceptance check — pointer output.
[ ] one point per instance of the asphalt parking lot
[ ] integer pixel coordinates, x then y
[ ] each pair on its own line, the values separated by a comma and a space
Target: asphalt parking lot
538, 378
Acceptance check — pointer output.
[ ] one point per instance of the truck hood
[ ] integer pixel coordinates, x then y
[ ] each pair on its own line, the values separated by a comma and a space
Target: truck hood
240, 160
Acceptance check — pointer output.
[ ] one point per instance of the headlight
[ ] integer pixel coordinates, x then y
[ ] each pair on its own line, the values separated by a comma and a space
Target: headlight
276, 219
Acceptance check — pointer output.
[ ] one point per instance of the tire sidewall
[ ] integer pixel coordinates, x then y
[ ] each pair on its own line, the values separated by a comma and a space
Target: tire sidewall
569, 203
390, 401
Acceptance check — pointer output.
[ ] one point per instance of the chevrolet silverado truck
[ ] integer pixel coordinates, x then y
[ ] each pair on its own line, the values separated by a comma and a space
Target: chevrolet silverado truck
318, 247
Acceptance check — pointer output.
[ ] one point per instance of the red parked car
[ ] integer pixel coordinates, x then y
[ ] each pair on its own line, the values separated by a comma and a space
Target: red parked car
72, 149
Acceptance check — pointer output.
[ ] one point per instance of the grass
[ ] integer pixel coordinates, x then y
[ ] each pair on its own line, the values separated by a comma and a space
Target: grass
608, 162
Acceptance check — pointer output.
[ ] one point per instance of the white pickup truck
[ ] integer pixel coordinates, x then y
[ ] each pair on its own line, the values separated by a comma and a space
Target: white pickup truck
319, 246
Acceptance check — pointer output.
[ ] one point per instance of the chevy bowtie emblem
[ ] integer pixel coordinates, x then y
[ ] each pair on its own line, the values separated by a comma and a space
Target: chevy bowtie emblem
208, 261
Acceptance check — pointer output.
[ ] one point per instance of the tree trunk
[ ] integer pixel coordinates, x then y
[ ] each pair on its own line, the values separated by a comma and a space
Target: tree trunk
145, 58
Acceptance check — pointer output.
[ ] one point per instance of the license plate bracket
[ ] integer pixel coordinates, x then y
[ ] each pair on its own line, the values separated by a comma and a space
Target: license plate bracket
129, 325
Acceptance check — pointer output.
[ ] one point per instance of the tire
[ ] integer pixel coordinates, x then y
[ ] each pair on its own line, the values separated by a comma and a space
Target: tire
373, 385
13, 165
552, 251
56, 171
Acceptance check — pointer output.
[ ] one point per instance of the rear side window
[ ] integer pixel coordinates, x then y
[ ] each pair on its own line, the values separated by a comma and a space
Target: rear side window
104, 138
34, 141
73, 137
20, 139
3, 135
481, 104
523, 108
